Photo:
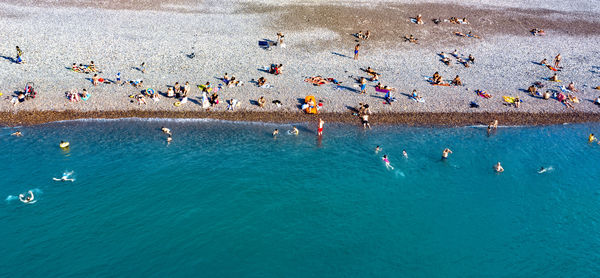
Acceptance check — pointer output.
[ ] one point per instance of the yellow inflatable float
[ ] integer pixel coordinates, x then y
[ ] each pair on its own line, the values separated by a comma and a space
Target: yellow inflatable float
63, 144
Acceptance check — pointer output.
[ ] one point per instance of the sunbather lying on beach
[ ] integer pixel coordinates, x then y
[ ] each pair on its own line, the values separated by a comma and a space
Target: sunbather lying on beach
419, 19
136, 83
572, 98
437, 79
375, 77
140, 99
380, 86
316, 80
554, 78
471, 59
275, 69
446, 61
411, 39
571, 87
370, 71
261, 81
463, 62
537, 32
261, 102
73, 96
456, 81
597, 101
234, 82
75, 68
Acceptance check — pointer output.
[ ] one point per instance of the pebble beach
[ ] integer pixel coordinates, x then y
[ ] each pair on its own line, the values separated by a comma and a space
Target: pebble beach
223, 37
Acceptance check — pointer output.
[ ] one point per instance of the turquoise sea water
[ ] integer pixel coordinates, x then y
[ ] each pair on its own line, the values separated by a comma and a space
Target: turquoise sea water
227, 200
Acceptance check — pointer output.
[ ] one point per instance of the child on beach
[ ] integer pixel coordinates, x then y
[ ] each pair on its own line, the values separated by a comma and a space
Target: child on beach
19, 60
356, 48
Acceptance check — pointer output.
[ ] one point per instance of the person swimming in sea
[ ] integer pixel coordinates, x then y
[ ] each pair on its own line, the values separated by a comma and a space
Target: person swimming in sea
275, 132
377, 149
65, 177
166, 130
544, 170
591, 138
169, 139
445, 153
498, 168
387, 162
404, 153
17, 133
294, 130
28, 199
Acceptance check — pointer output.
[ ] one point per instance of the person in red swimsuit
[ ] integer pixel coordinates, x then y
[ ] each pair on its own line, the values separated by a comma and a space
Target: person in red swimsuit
320, 130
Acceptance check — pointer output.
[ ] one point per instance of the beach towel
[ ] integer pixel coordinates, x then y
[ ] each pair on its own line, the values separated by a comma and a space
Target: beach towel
381, 90
205, 103
510, 99
422, 100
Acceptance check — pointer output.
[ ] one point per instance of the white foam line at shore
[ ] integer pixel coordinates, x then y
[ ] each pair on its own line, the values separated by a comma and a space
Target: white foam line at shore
176, 120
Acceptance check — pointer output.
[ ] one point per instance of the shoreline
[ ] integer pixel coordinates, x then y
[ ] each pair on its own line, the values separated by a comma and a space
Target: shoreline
29, 118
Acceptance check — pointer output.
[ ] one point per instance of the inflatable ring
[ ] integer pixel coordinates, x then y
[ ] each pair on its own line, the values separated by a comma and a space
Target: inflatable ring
64, 145
150, 91
177, 103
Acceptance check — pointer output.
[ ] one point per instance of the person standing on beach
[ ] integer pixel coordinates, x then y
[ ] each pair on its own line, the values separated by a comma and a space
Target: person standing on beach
143, 67
320, 129
557, 60
445, 153
363, 86
186, 88
19, 60
356, 48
